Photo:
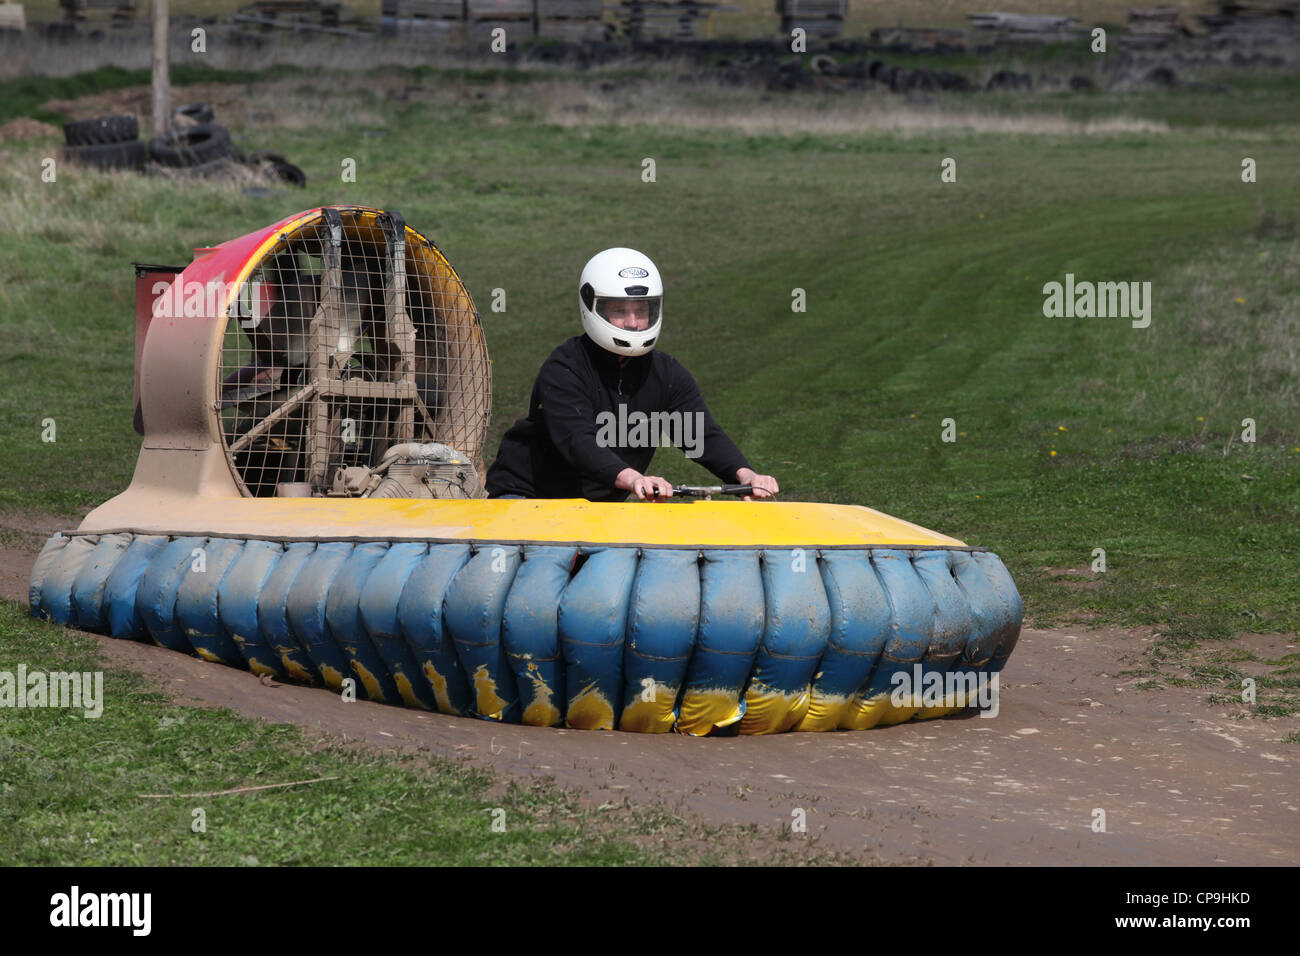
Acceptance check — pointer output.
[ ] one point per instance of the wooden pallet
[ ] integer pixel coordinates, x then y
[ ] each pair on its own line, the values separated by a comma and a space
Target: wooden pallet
571, 30
813, 26
1165, 14
119, 10
424, 9
292, 14
1265, 21
12, 17
661, 19
517, 31
809, 9
1258, 8
1020, 22
920, 38
570, 9
499, 10
442, 30
574, 21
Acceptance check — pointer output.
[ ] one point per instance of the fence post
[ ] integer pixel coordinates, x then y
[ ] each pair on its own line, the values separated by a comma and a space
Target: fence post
162, 92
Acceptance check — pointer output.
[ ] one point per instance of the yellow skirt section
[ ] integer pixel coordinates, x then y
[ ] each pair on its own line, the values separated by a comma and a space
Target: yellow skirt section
589, 710
653, 715
768, 711
705, 711
825, 711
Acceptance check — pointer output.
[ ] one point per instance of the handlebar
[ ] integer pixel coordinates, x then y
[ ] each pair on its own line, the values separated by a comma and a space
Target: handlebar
708, 491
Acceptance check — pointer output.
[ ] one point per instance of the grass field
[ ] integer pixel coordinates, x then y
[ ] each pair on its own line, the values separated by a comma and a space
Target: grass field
924, 303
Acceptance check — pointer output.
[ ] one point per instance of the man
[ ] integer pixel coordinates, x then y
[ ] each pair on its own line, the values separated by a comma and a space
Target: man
575, 442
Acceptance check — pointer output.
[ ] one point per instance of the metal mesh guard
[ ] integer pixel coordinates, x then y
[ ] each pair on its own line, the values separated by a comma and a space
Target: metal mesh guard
352, 333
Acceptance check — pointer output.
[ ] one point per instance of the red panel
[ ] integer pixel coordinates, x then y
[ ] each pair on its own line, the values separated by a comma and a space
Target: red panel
219, 263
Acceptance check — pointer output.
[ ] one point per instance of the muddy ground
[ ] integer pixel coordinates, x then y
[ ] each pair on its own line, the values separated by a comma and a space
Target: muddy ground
1181, 781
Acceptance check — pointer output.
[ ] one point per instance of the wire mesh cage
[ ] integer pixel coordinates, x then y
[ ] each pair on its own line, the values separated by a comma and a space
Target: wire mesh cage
351, 334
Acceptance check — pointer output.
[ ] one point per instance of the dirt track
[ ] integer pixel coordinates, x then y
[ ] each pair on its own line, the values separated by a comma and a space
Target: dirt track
1181, 782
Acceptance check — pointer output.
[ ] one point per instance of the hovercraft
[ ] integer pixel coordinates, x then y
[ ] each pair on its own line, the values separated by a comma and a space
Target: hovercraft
308, 504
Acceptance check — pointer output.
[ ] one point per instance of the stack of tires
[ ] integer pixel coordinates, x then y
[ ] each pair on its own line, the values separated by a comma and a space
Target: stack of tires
194, 144
107, 142
197, 145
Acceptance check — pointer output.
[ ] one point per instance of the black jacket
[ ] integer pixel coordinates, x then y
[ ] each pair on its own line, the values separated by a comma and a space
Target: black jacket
554, 452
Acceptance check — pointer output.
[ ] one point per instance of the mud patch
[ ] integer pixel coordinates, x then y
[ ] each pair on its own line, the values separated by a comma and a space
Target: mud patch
24, 128
22, 533
227, 101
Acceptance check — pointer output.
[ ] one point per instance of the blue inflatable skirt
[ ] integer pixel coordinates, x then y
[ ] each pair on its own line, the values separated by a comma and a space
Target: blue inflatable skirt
697, 641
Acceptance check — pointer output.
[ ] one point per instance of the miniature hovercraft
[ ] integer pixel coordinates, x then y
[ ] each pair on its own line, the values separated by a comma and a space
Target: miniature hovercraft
308, 504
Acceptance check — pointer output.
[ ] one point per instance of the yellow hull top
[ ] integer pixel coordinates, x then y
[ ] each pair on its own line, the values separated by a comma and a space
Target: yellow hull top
693, 524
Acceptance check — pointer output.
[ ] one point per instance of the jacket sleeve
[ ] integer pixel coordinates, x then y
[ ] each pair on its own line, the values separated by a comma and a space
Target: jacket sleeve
718, 452
571, 422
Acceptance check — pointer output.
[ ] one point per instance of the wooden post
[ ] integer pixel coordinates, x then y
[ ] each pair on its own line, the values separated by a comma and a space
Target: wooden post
162, 87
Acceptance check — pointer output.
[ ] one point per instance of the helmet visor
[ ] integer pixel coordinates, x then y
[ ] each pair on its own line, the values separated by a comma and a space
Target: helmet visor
630, 315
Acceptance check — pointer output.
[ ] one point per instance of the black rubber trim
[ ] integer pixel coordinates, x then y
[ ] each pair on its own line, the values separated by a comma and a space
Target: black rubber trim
144, 268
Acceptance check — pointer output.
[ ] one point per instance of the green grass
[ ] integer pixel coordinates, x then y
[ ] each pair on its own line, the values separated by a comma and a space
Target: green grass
71, 786
924, 303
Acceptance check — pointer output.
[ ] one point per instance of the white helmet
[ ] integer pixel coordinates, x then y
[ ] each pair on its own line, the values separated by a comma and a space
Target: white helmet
617, 280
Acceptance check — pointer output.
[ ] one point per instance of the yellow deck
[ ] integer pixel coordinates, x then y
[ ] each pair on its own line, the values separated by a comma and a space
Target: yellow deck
703, 524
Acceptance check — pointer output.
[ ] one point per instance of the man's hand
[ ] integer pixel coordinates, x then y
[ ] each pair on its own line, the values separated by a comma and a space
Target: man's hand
646, 487
764, 486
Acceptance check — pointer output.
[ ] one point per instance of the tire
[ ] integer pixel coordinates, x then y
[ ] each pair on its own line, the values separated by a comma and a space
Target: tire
1008, 80
194, 113
902, 80
101, 130
130, 155
191, 147
267, 155
824, 65
216, 167
924, 79
953, 81
289, 173
1162, 76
